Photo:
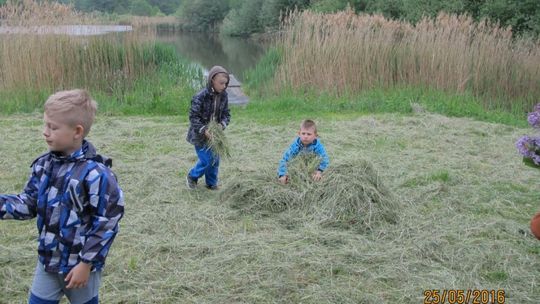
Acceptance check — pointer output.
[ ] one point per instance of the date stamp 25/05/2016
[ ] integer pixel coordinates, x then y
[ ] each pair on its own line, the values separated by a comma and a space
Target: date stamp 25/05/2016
464, 296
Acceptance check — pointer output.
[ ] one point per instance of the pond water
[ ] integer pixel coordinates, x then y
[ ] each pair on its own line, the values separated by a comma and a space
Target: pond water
233, 53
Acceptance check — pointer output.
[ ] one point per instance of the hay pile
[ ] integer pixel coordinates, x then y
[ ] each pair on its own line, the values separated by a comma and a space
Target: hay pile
218, 142
350, 195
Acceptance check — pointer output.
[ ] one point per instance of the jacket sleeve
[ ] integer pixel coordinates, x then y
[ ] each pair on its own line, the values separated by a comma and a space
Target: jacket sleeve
106, 202
225, 114
196, 114
287, 156
321, 152
22, 206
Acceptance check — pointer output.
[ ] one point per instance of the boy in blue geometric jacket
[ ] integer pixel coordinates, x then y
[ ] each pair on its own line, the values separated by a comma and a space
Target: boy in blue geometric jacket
77, 202
306, 142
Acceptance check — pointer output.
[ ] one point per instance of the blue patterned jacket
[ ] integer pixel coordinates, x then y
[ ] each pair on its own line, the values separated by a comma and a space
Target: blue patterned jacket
78, 205
298, 147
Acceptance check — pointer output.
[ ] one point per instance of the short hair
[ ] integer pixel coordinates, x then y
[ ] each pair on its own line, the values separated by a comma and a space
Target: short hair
308, 124
74, 107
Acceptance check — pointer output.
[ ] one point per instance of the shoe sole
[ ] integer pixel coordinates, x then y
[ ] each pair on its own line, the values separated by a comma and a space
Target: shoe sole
189, 185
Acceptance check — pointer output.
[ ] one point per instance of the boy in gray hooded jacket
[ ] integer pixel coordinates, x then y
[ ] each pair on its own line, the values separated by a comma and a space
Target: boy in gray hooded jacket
211, 103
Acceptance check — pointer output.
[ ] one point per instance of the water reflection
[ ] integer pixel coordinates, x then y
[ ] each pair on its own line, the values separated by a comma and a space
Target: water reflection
235, 54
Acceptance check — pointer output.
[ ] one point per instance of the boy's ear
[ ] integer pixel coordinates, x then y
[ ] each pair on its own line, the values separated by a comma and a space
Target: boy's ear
79, 131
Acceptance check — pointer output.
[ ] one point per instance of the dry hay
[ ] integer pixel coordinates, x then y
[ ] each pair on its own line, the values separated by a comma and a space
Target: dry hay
349, 195
218, 142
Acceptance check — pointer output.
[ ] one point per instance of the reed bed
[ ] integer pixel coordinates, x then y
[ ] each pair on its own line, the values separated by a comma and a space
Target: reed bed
32, 12
36, 62
350, 195
45, 61
348, 53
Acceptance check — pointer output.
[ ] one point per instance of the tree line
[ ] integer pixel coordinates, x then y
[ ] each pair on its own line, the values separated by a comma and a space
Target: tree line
246, 17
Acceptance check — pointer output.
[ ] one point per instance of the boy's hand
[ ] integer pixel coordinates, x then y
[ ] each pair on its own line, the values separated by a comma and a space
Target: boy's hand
283, 179
317, 176
207, 134
78, 276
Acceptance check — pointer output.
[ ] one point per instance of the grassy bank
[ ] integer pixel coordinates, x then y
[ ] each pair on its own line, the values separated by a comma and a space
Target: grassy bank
406, 100
465, 201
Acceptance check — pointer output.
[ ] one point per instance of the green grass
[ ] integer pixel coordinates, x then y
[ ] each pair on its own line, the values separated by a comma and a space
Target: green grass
291, 105
465, 202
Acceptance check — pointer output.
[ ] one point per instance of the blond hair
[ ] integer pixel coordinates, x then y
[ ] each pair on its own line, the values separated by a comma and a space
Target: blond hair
74, 107
309, 124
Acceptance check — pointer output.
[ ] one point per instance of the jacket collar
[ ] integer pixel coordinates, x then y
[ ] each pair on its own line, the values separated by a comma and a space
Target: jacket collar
87, 151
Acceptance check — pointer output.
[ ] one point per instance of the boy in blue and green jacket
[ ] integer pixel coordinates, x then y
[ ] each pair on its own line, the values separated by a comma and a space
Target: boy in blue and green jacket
307, 141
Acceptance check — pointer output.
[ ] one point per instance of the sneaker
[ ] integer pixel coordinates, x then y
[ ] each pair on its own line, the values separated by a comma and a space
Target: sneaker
215, 187
190, 182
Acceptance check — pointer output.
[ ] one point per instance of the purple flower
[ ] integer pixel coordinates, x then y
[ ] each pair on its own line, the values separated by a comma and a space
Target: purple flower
528, 147
536, 159
523, 145
534, 118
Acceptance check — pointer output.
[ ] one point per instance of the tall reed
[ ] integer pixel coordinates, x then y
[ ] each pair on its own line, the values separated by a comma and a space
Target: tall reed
38, 58
348, 53
36, 62
32, 12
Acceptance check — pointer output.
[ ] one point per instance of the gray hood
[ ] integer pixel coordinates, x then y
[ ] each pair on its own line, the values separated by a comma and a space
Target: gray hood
213, 72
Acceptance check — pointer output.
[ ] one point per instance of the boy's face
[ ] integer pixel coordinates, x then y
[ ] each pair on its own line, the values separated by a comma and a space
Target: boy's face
61, 137
219, 82
307, 135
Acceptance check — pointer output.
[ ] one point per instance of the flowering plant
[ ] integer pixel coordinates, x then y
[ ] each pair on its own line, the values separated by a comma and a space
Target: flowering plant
529, 146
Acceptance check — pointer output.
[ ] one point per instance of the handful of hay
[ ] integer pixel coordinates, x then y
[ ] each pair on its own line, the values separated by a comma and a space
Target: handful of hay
349, 195
217, 142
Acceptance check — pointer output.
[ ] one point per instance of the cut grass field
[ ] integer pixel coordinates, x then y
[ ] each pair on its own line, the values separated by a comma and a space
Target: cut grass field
465, 201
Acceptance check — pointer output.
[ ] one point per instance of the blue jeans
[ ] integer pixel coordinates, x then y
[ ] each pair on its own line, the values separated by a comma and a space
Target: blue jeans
207, 165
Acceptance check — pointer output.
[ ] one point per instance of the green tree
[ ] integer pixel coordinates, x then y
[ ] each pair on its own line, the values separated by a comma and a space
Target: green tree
390, 8
105, 6
414, 10
330, 6
203, 15
272, 10
522, 15
244, 20
473, 7
142, 8
167, 7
